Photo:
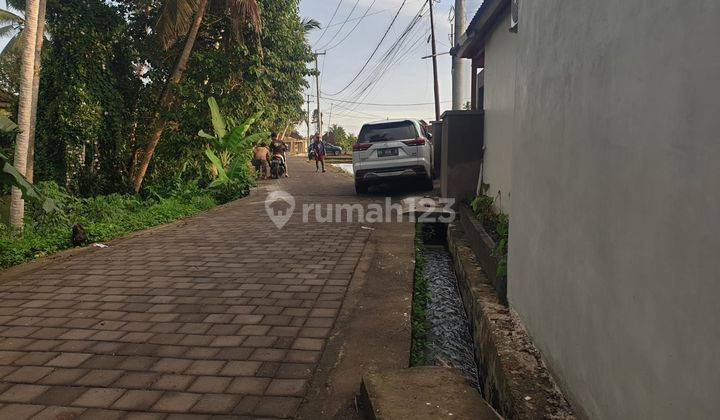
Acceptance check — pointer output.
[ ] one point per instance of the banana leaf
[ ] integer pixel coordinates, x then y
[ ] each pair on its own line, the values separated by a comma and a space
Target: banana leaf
217, 164
218, 121
10, 176
7, 125
205, 135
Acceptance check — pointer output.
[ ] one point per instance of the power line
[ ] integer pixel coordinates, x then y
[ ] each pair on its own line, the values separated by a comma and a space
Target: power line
377, 104
394, 54
374, 51
377, 12
353, 29
330, 21
343, 24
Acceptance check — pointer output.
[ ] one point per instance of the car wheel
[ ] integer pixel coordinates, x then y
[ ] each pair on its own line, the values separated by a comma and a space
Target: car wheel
361, 187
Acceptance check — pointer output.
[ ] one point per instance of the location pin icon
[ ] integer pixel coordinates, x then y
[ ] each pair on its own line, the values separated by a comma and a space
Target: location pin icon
280, 217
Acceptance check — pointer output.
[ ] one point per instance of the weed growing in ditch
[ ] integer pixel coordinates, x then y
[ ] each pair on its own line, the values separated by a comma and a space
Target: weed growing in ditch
420, 299
497, 226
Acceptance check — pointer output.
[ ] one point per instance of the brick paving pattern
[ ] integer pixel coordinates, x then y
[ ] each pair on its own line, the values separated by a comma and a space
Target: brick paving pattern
221, 314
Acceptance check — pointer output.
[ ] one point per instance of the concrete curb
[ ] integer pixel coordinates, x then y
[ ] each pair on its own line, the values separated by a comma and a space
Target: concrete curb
514, 378
421, 393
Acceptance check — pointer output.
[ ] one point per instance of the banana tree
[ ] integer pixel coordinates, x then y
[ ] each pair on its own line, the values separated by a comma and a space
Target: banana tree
230, 147
10, 176
183, 18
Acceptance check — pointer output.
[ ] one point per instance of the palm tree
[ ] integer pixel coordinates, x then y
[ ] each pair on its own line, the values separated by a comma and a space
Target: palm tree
183, 18
27, 73
39, 39
11, 25
14, 25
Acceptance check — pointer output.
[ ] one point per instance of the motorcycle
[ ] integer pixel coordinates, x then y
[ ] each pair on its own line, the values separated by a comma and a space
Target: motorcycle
277, 166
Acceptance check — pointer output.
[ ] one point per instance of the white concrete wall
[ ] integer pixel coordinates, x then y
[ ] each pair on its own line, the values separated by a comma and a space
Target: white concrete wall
615, 228
500, 61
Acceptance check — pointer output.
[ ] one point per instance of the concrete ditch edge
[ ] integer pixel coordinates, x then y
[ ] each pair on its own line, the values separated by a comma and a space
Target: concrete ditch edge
422, 393
514, 378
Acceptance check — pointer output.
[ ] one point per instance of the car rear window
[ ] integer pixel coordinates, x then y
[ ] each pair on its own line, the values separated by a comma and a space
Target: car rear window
402, 130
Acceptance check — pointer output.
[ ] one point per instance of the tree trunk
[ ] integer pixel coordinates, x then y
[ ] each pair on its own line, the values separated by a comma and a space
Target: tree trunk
285, 131
164, 102
40, 38
27, 70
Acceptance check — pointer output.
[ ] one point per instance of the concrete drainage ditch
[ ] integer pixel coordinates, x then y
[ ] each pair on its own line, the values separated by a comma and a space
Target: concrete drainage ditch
442, 381
448, 332
471, 354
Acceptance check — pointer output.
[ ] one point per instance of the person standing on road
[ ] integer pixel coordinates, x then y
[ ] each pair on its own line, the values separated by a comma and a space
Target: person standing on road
279, 147
262, 158
318, 147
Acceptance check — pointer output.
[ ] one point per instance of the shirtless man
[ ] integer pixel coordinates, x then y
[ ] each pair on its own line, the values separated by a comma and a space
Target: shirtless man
262, 156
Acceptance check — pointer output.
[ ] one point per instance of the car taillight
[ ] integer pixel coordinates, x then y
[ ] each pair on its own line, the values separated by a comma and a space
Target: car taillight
358, 147
420, 141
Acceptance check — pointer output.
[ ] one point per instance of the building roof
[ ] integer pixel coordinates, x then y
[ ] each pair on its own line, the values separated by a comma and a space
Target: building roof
472, 42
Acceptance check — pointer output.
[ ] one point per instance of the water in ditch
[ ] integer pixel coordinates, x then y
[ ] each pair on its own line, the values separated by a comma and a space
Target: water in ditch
449, 342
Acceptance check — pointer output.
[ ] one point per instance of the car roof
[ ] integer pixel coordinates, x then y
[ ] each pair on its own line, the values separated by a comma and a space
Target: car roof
413, 120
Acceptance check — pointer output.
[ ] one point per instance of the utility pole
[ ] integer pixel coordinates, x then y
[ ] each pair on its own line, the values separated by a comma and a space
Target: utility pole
308, 117
458, 69
317, 86
434, 59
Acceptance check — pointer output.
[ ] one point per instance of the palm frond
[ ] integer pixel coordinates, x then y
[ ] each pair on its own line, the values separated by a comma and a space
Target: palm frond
308, 24
242, 13
7, 30
14, 45
175, 20
16, 4
8, 17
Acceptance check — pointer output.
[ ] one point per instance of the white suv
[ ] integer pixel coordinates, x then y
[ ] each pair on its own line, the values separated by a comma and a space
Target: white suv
393, 149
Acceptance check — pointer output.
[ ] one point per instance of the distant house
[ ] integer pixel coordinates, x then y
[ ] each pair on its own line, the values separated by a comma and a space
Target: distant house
296, 146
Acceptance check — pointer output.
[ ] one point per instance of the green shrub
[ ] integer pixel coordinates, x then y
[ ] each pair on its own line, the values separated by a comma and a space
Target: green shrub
230, 191
103, 217
497, 225
420, 298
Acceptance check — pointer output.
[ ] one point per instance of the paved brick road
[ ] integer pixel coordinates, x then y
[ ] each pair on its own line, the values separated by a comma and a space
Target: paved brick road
219, 315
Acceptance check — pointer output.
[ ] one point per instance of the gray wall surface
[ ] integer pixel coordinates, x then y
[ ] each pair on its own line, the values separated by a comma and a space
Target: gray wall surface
615, 227
500, 63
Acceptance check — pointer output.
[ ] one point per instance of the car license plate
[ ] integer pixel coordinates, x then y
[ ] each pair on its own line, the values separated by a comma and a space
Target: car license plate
387, 152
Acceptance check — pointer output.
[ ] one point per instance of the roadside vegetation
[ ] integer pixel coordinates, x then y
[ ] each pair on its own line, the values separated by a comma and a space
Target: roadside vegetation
103, 218
338, 135
497, 225
421, 296
143, 112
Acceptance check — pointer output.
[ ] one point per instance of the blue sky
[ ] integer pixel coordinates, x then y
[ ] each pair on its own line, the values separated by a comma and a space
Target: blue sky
409, 81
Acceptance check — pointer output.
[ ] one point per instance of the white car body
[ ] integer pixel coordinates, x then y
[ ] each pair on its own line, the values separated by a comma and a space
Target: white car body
392, 149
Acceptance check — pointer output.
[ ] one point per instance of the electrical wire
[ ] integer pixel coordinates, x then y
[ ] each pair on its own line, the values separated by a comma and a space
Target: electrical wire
343, 25
377, 12
397, 52
375, 104
330, 21
330, 48
374, 51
